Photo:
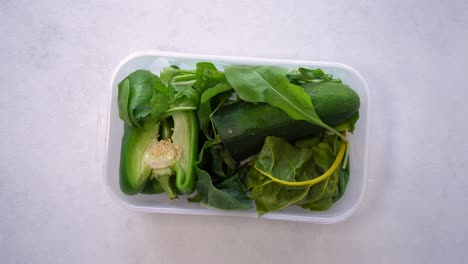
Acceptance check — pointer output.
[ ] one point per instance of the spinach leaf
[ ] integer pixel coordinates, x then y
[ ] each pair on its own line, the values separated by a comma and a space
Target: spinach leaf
195, 199
207, 76
213, 91
217, 163
304, 75
138, 93
349, 124
229, 194
211, 84
186, 97
152, 186
343, 179
167, 73
269, 84
205, 111
204, 120
124, 94
307, 142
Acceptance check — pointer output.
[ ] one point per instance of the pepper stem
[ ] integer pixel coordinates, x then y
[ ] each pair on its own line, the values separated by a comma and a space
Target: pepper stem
166, 185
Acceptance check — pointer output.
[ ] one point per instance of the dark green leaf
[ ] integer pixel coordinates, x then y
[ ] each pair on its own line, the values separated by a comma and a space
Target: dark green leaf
304, 75
204, 120
205, 113
231, 194
349, 124
307, 142
207, 145
195, 199
152, 186
343, 179
140, 94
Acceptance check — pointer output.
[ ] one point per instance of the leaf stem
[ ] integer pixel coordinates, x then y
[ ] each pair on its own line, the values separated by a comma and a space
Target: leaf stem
185, 77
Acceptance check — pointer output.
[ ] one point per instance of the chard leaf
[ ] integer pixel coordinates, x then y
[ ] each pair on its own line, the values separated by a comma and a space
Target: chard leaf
280, 160
319, 205
269, 84
274, 196
323, 155
283, 161
324, 190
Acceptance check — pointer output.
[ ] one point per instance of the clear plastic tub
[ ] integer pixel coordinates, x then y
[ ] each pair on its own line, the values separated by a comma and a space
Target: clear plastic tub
111, 129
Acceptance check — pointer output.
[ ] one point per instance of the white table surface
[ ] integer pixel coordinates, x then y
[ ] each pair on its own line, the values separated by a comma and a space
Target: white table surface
56, 63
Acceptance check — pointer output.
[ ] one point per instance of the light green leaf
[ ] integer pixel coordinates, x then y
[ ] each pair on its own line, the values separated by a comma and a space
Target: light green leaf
211, 92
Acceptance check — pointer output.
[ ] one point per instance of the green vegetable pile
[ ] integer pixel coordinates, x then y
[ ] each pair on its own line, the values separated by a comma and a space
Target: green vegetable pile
240, 138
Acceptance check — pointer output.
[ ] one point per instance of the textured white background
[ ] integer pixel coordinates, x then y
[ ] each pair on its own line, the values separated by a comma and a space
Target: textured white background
56, 59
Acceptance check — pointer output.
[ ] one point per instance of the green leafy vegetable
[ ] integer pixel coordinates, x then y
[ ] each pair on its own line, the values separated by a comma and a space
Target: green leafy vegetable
278, 160
138, 93
213, 91
343, 179
152, 186
304, 75
243, 148
349, 124
208, 76
230, 193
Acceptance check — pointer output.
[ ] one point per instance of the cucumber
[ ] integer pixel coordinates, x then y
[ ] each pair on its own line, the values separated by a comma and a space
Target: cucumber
244, 126
333, 102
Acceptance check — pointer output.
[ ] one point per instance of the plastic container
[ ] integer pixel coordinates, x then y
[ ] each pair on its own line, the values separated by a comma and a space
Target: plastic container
111, 130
